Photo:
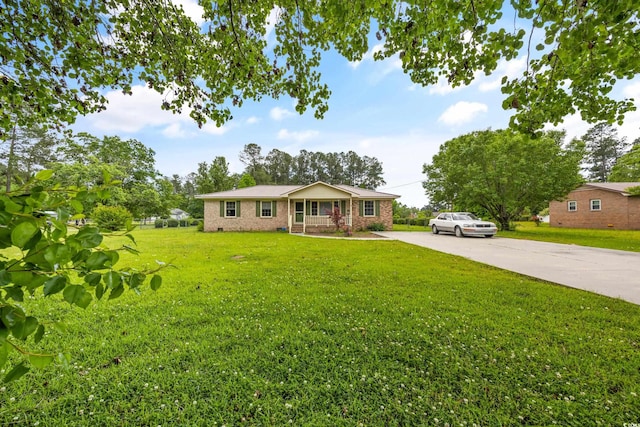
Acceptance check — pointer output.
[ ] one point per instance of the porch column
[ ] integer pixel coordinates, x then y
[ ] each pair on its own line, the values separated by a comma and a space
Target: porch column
304, 216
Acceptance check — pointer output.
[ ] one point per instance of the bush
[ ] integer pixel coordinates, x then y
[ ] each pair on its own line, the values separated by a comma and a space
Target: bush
172, 222
376, 226
111, 218
200, 225
159, 223
196, 222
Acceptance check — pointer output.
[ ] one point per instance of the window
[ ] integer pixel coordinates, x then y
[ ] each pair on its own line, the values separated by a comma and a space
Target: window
595, 205
314, 208
369, 208
325, 208
230, 210
265, 209
572, 206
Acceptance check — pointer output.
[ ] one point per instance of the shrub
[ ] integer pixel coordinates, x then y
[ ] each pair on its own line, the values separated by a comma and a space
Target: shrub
111, 218
200, 225
172, 222
196, 221
376, 226
159, 223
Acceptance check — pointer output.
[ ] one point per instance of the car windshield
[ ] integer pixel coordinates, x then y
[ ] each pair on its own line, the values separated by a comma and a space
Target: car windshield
464, 216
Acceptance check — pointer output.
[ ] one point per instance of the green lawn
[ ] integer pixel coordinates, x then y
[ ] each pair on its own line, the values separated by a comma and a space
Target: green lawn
625, 240
274, 329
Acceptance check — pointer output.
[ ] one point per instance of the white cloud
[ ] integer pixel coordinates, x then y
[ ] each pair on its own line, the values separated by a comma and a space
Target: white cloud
462, 112
174, 130
131, 113
632, 90
192, 9
213, 129
278, 113
253, 120
303, 136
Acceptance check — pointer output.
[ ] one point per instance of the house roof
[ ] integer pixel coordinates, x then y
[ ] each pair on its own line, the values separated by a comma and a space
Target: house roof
283, 192
618, 187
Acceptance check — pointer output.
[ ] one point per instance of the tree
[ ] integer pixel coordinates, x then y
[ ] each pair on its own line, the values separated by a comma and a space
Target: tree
56, 68
603, 150
627, 168
246, 180
252, 158
26, 151
503, 172
278, 166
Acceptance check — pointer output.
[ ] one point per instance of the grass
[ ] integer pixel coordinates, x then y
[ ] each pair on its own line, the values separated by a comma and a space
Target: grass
625, 240
274, 329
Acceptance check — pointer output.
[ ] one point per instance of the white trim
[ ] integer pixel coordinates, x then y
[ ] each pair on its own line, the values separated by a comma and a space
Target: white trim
575, 205
235, 209
591, 202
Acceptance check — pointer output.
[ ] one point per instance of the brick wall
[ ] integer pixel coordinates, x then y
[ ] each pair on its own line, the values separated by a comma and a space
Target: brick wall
248, 221
617, 211
386, 216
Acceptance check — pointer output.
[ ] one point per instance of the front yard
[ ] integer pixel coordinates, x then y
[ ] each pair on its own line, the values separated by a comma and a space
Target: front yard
273, 329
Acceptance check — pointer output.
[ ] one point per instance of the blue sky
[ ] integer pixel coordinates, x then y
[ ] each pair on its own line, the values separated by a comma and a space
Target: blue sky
374, 110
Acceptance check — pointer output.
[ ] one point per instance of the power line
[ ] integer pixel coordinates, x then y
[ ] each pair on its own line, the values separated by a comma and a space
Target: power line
402, 185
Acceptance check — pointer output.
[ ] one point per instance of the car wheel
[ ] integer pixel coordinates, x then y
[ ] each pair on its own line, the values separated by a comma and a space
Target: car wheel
488, 236
459, 232
434, 229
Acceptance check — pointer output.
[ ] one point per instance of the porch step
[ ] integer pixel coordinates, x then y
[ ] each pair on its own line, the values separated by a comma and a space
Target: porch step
297, 228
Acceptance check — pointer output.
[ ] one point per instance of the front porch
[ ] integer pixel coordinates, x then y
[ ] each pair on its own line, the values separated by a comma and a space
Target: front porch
314, 215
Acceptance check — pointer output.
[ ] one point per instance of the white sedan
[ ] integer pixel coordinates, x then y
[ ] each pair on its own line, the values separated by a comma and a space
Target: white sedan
462, 224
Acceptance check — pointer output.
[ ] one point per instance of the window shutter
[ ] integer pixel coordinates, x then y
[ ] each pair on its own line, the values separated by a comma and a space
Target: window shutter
221, 208
238, 208
258, 208
377, 208
361, 208
343, 207
308, 208
274, 203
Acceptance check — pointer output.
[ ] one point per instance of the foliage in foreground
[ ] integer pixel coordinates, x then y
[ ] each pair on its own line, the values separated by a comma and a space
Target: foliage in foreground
272, 329
41, 257
228, 52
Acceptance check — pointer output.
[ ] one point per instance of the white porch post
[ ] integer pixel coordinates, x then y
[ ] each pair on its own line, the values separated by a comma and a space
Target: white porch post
304, 216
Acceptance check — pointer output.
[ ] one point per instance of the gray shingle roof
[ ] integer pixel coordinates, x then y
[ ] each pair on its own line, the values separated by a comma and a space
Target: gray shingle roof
282, 191
619, 187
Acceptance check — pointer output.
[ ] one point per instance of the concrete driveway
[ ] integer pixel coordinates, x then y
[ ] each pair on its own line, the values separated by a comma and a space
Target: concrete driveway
603, 271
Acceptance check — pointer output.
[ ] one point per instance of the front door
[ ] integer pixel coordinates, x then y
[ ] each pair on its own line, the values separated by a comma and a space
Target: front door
299, 212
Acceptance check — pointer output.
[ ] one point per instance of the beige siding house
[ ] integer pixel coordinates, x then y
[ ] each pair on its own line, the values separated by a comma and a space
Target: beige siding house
295, 208
598, 205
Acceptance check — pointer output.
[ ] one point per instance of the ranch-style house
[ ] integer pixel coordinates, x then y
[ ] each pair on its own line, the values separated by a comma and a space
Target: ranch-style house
598, 205
296, 208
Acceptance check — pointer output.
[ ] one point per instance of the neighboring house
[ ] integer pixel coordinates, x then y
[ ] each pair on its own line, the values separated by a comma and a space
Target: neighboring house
598, 205
296, 208
178, 214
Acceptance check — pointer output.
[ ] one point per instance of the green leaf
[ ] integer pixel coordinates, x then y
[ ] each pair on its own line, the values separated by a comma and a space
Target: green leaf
54, 285
43, 175
116, 292
11, 315
112, 279
76, 205
97, 261
76, 294
99, 290
57, 254
92, 279
15, 293
39, 334
136, 280
130, 237
156, 281
40, 361
22, 330
89, 237
23, 232
5, 277
16, 372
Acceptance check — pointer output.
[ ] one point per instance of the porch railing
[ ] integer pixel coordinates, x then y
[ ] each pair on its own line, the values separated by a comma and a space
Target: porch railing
325, 220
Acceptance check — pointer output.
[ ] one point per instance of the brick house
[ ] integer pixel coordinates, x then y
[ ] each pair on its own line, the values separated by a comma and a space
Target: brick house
598, 205
296, 208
